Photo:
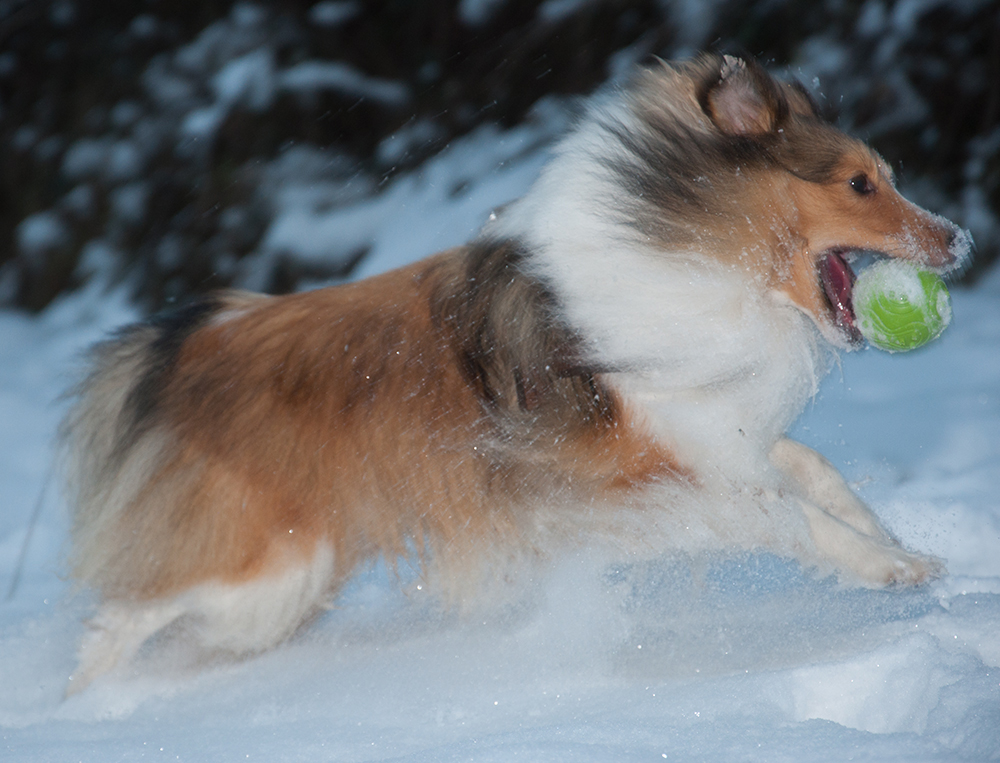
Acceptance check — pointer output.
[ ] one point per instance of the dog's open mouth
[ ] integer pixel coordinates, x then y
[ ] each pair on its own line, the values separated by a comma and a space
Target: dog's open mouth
838, 285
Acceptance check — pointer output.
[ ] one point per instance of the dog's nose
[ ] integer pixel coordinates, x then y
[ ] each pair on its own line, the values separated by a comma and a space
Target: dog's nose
947, 248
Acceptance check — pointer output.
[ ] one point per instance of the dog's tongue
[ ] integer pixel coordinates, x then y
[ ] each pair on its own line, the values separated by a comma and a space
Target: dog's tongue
838, 282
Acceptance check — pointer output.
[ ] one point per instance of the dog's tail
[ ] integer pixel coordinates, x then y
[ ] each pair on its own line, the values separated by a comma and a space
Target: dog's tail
113, 440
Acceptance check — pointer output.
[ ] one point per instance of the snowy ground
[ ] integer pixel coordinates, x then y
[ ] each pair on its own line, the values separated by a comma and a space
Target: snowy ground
742, 659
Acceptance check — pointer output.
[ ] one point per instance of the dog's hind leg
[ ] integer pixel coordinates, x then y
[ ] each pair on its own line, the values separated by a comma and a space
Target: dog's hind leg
235, 618
115, 634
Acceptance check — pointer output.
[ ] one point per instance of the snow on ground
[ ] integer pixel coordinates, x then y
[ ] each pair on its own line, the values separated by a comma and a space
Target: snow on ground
729, 660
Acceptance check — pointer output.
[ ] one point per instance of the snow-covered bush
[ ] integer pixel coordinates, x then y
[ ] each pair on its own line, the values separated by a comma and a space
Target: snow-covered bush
176, 135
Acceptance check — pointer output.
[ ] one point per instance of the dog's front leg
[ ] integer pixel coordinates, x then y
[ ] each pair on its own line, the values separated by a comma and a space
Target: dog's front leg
820, 482
845, 532
862, 558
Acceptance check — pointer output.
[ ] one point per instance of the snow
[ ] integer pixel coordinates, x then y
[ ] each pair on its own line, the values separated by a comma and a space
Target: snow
235, 62
117, 161
129, 202
694, 20
440, 205
747, 658
343, 78
556, 11
248, 79
478, 12
41, 231
332, 13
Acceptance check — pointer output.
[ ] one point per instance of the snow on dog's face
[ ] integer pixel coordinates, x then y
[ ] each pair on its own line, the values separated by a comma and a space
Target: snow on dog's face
733, 164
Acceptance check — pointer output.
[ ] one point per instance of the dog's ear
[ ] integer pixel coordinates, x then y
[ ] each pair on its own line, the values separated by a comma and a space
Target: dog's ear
744, 100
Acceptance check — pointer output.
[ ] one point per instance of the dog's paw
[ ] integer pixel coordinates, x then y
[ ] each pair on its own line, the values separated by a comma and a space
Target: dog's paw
865, 560
113, 637
893, 565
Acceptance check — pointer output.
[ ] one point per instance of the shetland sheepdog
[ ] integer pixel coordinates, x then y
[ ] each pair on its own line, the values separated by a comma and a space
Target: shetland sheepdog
614, 359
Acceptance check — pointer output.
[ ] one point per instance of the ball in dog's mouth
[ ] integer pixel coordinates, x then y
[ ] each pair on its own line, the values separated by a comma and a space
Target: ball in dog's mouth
837, 279
900, 306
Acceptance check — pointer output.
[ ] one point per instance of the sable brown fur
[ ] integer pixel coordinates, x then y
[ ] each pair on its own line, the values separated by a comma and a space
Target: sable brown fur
422, 407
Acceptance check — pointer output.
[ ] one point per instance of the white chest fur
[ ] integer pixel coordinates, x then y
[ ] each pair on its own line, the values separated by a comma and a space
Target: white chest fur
718, 363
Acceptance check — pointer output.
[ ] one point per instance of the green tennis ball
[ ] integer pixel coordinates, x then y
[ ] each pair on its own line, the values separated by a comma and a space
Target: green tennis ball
899, 306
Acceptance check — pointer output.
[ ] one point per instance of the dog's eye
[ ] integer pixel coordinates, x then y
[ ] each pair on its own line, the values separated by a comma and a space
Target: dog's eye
862, 185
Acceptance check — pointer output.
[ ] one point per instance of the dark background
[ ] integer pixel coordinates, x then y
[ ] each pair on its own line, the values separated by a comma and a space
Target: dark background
94, 98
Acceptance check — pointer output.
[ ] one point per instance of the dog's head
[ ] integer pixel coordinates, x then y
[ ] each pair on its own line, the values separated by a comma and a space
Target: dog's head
746, 170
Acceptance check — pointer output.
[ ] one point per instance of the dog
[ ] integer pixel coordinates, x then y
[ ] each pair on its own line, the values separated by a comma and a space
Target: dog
614, 359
